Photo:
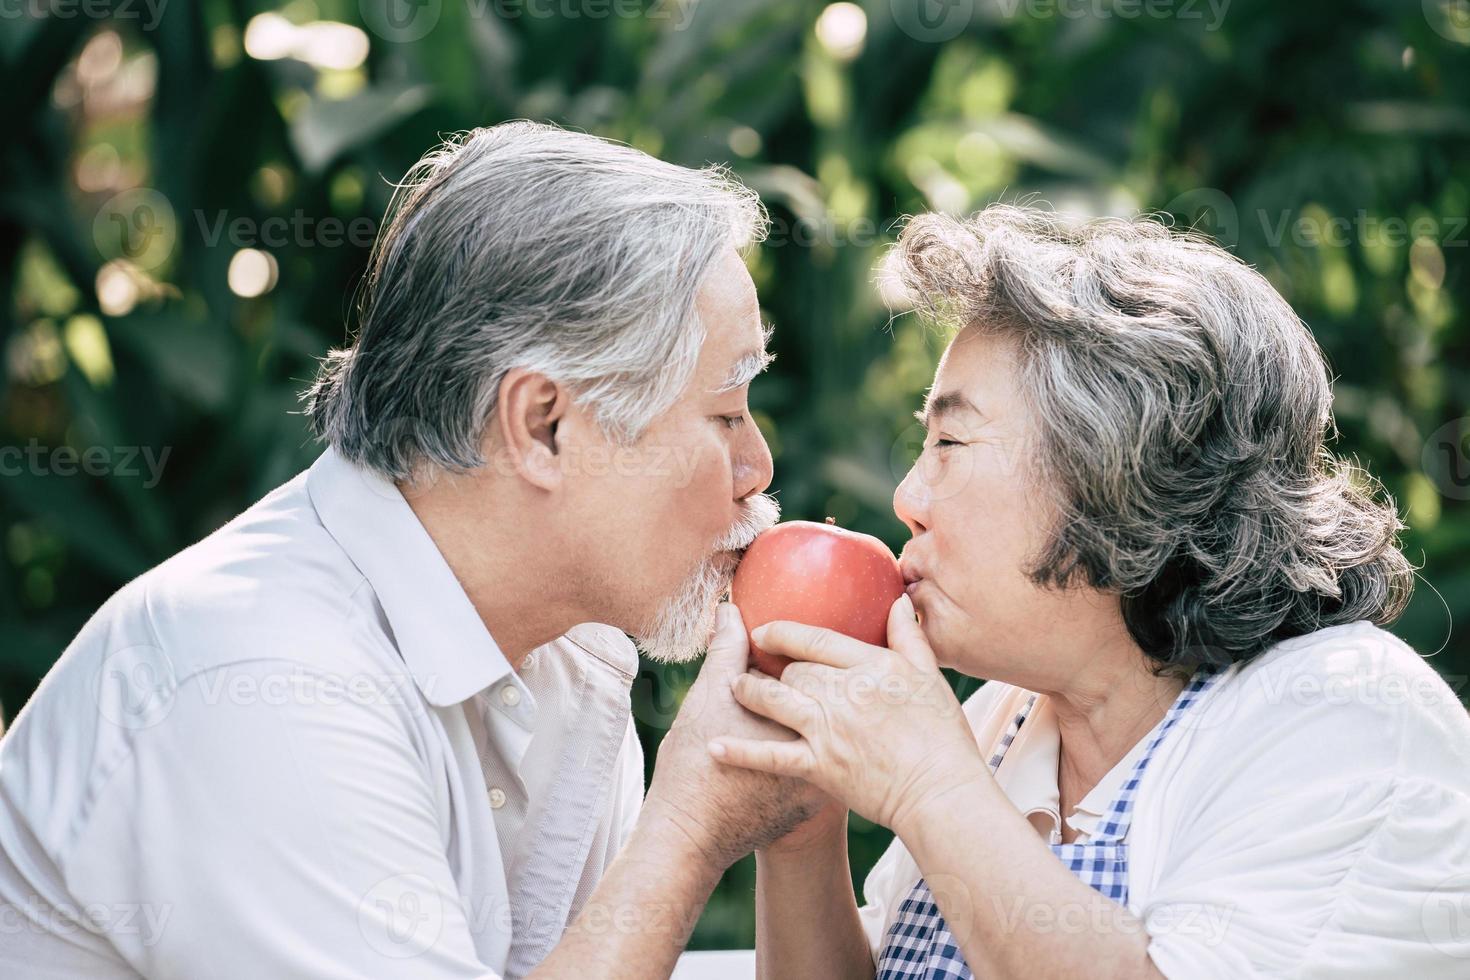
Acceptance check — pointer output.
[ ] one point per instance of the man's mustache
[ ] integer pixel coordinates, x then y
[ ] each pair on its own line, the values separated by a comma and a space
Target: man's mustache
761, 513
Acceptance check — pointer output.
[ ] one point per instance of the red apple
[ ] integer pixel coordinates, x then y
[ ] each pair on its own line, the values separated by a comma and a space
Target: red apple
818, 574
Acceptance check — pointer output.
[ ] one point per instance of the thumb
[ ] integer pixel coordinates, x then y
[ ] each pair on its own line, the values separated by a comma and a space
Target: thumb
906, 638
729, 647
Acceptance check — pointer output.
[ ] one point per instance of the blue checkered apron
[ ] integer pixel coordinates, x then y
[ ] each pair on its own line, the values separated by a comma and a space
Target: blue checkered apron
919, 944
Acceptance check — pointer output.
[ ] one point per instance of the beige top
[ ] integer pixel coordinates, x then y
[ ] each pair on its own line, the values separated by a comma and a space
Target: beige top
1028, 773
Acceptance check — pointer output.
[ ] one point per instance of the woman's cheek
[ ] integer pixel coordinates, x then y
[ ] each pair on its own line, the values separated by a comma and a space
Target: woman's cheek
941, 480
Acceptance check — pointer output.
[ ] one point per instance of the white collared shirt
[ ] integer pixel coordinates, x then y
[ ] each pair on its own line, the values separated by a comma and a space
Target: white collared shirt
1309, 816
294, 750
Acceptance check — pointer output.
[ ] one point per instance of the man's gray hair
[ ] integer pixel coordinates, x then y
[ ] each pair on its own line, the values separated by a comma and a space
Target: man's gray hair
1180, 410
525, 245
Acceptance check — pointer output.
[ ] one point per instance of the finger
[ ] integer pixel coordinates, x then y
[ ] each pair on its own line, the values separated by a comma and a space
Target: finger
811, 643
906, 637
774, 700
729, 647
816, 681
777, 758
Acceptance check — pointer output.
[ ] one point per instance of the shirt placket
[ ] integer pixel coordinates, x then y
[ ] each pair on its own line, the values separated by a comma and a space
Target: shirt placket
559, 829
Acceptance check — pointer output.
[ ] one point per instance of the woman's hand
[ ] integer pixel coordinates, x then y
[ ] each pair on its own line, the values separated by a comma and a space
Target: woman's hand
880, 729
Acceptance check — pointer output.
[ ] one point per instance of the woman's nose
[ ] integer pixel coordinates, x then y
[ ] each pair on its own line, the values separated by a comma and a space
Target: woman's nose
911, 501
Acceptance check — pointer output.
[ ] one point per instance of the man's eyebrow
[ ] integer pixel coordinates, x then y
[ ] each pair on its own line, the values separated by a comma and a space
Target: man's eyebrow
938, 405
750, 364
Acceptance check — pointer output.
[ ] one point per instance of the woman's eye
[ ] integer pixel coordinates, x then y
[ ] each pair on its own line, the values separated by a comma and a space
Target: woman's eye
946, 443
732, 421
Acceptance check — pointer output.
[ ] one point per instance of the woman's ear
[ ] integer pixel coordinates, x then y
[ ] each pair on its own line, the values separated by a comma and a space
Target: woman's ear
530, 410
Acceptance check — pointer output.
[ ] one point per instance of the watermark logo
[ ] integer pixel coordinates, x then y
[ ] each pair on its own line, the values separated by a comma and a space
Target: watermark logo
1450, 19
402, 916
942, 472
400, 21
656, 697
933, 21
138, 225
135, 686
1446, 459
1209, 211
1445, 916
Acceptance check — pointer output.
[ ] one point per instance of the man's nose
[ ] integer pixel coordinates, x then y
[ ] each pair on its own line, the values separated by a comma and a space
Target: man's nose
755, 467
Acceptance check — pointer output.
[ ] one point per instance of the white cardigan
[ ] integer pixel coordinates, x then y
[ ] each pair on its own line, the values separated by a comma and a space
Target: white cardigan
1309, 817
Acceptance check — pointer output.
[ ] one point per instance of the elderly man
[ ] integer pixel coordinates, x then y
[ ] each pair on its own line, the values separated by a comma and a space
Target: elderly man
379, 724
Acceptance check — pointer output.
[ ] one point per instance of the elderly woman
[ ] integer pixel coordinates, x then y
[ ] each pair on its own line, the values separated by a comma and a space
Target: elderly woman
1197, 755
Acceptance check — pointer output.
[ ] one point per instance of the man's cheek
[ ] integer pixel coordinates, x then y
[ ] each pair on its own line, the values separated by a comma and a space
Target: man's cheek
693, 467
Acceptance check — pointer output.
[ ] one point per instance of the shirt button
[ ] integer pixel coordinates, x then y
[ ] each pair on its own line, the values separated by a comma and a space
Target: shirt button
510, 695
497, 797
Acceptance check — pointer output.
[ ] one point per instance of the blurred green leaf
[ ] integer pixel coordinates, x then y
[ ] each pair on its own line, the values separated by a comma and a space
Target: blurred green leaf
324, 129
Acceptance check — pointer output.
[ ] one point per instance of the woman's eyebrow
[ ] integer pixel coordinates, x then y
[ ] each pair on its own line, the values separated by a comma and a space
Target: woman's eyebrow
939, 405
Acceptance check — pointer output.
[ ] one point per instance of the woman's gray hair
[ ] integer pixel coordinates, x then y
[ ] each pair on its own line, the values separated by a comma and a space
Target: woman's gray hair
1180, 409
526, 245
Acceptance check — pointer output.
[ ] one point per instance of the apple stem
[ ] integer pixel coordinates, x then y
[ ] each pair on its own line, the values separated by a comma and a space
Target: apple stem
831, 520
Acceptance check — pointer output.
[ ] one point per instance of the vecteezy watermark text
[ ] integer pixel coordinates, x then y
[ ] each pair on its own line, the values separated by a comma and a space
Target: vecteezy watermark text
39, 460
148, 13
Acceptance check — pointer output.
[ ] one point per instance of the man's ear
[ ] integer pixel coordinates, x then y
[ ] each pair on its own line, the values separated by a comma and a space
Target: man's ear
529, 412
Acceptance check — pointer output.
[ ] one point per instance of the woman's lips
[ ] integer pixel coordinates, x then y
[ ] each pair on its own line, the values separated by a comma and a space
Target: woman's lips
913, 587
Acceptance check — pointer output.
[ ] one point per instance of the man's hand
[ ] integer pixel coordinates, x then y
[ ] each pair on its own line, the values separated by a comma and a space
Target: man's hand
726, 811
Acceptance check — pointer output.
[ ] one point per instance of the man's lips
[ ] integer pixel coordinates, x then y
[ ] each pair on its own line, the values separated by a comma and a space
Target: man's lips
911, 577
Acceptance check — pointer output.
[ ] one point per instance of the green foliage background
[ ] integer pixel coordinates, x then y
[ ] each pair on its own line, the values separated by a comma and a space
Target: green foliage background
1261, 123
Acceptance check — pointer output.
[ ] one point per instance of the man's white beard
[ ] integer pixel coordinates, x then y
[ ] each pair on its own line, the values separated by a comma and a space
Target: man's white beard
681, 629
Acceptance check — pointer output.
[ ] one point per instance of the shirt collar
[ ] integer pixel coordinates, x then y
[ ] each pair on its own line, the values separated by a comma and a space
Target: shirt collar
441, 638
608, 644
1028, 772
